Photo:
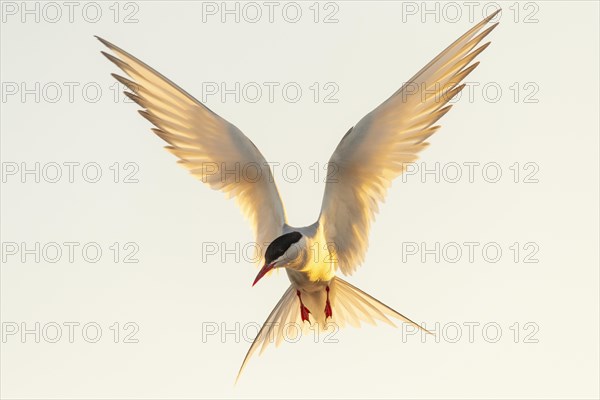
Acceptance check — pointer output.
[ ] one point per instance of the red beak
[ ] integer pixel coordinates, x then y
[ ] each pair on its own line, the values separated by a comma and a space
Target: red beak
266, 268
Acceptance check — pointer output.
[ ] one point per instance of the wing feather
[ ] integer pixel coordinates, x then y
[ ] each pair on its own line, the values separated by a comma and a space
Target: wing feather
206, 144
379, 147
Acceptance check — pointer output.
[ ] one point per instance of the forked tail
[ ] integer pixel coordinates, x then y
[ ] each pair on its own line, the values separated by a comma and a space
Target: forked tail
350, 305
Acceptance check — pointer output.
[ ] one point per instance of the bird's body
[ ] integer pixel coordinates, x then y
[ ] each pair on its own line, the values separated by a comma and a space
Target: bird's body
318, 265
368, 158
315, 272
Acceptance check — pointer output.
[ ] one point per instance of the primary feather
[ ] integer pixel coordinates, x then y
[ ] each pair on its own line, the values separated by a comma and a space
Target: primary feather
379, 147
206, 144
366, 161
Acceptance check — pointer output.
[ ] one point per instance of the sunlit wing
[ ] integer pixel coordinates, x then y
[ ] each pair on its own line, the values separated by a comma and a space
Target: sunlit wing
379, 147
212, 149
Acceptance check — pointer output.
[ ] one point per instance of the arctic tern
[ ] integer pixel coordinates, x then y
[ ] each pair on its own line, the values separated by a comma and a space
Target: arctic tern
368, 158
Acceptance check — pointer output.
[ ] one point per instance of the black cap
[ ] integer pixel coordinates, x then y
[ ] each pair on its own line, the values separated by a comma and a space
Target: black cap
280, 245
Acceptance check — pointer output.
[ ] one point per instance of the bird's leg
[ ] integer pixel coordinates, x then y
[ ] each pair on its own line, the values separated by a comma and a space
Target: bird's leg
328, 312
303, 310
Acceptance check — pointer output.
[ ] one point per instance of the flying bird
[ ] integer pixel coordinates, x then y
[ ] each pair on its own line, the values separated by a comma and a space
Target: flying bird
368, 158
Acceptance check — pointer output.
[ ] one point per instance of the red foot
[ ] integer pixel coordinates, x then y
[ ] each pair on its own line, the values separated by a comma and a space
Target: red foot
303, 310
328, 312
304, 313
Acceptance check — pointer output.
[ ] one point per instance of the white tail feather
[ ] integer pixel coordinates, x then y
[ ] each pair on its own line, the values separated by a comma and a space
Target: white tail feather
350, 305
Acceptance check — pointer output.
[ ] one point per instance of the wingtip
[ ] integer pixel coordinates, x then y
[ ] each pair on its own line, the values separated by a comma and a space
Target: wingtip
103, 41
118, 62
112, 58
484, 46
492, 15
494, 25
129, 84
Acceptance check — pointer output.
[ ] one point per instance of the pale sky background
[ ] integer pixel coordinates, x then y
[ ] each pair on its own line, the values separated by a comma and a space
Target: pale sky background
539, 109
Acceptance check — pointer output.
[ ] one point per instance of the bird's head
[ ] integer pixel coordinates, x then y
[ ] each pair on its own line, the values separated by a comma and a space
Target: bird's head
287, 251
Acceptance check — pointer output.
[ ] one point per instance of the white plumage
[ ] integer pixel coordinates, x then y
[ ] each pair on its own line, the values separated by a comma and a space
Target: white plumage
369, 157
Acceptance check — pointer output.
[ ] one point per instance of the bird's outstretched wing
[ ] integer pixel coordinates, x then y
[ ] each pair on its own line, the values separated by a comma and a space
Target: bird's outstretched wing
378, 148
212, 149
